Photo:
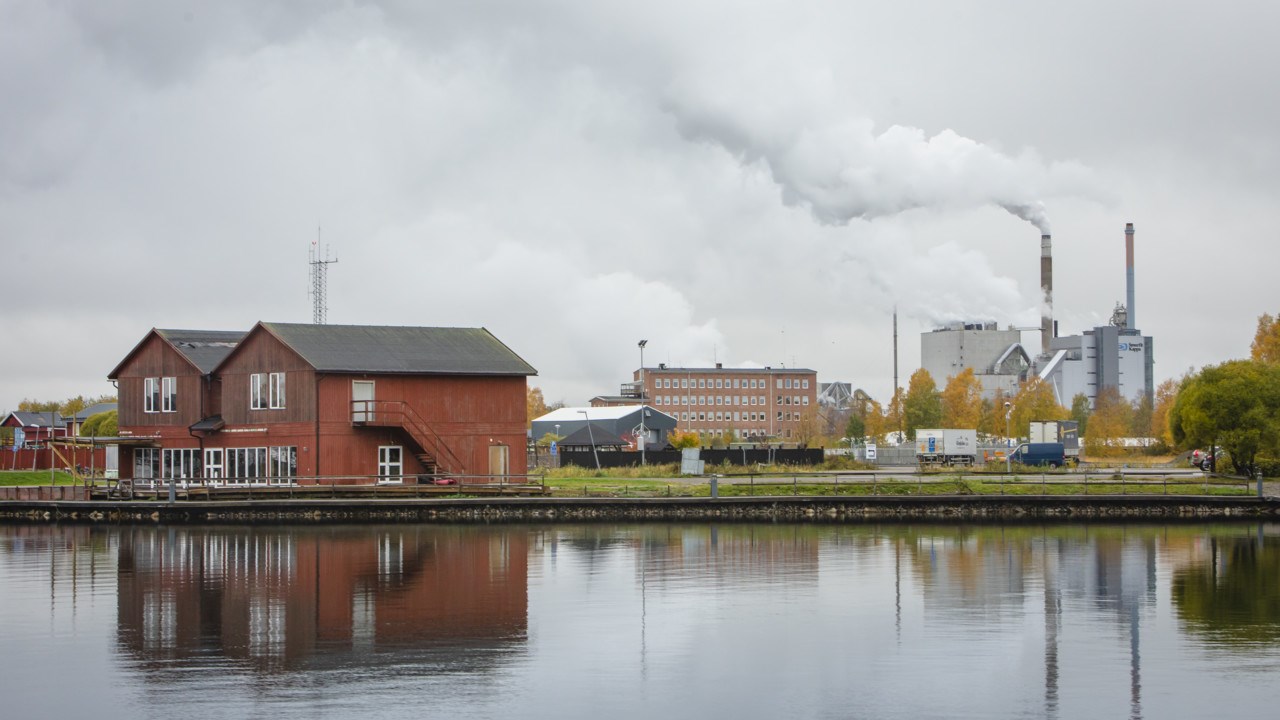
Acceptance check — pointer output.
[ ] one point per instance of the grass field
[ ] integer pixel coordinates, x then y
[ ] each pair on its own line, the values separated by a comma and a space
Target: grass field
9, 478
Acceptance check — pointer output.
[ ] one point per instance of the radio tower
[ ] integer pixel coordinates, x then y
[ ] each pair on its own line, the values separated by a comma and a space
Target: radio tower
319, 280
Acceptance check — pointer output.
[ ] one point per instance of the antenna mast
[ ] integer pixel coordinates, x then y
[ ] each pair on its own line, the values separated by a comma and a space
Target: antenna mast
319, 280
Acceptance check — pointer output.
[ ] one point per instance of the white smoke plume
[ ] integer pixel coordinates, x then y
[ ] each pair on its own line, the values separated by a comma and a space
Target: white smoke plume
840, 168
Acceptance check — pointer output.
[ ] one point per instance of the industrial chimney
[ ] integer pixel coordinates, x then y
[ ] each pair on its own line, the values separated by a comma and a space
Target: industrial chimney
1128, 274
1046, 287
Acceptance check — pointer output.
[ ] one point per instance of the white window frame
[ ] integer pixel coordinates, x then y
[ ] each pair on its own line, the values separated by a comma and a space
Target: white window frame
146, 463
213, 463
276, 391
386, 465
180, 463
246, 465
257, 398
168, 394
151, 395
282, 464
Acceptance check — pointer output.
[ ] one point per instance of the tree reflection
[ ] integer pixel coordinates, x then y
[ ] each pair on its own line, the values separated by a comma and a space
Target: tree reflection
1232, 596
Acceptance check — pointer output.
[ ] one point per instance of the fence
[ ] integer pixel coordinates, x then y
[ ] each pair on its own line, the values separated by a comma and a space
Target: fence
41, 458
741, 457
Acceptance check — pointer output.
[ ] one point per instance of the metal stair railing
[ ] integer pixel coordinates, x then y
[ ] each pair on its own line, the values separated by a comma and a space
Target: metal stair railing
397, 413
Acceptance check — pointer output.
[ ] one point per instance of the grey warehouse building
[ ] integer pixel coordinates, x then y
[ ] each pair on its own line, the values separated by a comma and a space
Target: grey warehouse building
620, 421
997, 357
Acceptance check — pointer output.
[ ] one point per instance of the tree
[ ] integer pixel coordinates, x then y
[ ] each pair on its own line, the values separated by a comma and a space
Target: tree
535, 405
1266, 342
856, 428
1080, 413
1140, 416
1110, 421
28, 405
1035, 401
681, 439
877, 424
807, 428
1166, 394
992, 419
1236, 406
103, 424
922, 407
962, 401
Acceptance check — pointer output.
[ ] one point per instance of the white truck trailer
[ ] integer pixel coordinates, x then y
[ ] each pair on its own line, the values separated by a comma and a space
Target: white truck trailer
946, 447
1066, 432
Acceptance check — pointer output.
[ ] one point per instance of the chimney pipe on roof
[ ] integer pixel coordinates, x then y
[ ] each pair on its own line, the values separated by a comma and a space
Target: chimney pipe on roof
1046, 287
1128, 275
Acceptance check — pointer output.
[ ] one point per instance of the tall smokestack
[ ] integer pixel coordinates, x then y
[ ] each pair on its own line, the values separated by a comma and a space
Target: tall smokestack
1130, 321
1046, 287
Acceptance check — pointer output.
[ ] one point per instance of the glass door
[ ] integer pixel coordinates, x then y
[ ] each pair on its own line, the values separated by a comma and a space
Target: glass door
391, 464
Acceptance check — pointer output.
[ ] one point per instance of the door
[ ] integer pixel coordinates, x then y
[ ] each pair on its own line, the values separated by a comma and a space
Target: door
213, 463
498, 460
391, 464
361, 401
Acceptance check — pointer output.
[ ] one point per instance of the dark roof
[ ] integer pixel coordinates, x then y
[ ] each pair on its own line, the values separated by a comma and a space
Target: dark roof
204, 348
383, 349
599, 435
726, 370
210, 424
35, 419
94, 409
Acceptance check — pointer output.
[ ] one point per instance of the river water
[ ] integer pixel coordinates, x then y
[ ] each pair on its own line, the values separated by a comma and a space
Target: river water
641, 621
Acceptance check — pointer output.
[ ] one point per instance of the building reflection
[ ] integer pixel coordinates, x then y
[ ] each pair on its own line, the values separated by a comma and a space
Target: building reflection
278, 599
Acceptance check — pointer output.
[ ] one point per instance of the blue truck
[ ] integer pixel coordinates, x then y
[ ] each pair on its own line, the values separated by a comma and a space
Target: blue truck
1052, 454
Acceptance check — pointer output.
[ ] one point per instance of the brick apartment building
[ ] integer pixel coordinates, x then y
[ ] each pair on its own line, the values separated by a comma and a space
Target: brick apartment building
755, 403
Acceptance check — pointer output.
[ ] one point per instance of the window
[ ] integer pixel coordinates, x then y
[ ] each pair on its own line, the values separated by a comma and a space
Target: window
735, 383
146, 462
720, 400
737, 416
684, 416
737, 399
806, 399
245, 465
277, 391
181, 463
284, 464
719, 383
684, 382
169, 394
702, 382
804, 384
266, 391
779, 381
762, 400
213, 463
786, 383
151, 395
391, 463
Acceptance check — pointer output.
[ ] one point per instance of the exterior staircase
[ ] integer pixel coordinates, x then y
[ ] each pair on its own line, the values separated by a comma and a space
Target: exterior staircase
434, 454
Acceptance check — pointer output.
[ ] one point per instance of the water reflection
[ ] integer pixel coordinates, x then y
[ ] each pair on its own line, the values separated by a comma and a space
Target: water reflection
280, 598
640, 620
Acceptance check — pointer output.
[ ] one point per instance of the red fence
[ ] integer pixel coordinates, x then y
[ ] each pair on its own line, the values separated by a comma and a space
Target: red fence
40, 458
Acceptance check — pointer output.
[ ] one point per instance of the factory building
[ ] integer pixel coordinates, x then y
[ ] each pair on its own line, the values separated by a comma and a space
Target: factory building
1116, 355
997, 357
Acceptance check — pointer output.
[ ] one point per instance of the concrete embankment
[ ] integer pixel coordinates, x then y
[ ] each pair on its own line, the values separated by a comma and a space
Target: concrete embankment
736, 509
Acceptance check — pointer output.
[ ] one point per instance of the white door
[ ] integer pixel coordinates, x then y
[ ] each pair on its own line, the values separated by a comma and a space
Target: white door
362, 400
499, 460
391, 464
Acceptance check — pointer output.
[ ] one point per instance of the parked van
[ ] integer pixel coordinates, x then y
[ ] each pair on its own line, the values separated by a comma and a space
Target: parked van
1052, 454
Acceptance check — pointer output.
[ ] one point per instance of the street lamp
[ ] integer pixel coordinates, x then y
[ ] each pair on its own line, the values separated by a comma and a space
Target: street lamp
1008, 456
592, 437
643, 435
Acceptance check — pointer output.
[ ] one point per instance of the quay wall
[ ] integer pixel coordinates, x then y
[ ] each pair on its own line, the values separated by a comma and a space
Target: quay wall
961, 508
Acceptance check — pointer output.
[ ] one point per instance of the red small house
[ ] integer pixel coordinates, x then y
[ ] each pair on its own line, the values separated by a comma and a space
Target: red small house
294, 403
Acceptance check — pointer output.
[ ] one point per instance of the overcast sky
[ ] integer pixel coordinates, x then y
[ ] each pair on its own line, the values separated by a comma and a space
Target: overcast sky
757, 183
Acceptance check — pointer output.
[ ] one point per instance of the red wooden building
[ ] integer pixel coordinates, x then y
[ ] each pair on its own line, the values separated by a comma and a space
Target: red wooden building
293, 403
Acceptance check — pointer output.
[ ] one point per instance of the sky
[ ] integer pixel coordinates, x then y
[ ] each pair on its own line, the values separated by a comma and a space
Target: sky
752, 183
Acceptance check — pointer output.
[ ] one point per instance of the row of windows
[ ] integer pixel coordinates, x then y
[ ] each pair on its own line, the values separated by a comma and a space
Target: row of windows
266, 392
727, 400
237, 465
160, 394
731, 383
783, 416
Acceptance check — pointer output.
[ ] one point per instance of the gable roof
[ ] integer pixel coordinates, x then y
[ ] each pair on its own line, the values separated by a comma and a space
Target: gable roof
204, 349
94, 409
33, 419
394, 349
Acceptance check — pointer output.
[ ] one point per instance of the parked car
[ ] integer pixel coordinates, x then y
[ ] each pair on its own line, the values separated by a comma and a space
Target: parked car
1207, 459
1052, 454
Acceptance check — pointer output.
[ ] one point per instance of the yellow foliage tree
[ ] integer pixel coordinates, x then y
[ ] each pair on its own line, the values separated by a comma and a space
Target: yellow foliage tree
1108, 422
1266, 342
1035, 401
962, 401
1166, 395
535, 405
876, 424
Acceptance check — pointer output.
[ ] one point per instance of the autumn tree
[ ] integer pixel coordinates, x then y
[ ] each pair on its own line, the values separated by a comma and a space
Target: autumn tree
1266, 342
1035, 401
1166, 394
536, 406
1080, 413
1235, 405
876, 424
962, 401
922, 407
895, 413
1140, 416
1109, 422
807, 428
992, 414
